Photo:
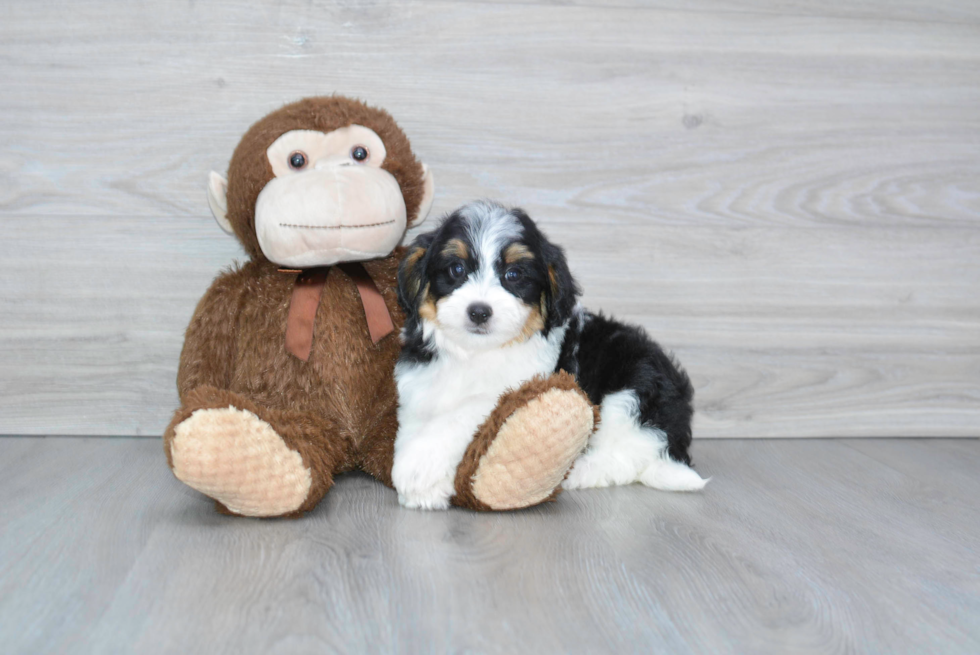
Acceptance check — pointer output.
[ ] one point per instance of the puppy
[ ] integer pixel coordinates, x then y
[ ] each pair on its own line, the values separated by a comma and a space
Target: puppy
490, 303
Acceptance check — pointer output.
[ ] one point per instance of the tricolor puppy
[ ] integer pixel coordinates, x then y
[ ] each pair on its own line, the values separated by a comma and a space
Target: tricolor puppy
490, 303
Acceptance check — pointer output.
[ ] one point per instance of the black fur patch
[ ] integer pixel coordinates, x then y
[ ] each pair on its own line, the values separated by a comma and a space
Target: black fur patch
607, 356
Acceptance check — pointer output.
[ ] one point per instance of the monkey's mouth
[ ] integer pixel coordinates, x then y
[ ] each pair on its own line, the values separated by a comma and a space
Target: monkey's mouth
337, 227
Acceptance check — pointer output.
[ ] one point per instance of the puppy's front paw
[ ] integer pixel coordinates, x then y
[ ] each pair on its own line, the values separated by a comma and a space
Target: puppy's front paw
435, 497
421, 482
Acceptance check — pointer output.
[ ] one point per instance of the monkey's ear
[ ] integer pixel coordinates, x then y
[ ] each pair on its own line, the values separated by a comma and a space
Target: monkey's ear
428, 195
218, 201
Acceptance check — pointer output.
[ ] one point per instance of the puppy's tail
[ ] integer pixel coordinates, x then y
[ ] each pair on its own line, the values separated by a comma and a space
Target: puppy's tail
664, 473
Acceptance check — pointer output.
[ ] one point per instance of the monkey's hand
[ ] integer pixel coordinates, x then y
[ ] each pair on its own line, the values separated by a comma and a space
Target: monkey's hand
523, 451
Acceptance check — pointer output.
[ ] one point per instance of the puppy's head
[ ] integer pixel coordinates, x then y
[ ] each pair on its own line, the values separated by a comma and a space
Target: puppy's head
485, 278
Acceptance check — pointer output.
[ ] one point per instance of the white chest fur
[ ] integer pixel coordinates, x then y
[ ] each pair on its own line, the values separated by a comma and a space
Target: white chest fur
428, 390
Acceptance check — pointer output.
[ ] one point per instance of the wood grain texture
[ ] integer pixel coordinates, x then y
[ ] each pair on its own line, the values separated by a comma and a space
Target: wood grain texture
745, 328
787, 195
804, 546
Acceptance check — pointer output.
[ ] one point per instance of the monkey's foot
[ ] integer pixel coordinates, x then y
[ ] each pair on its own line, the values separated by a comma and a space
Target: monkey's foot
527, 456
238, 459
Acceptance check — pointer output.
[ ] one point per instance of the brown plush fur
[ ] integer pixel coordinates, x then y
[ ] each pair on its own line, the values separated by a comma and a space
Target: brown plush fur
338, 410
508, 404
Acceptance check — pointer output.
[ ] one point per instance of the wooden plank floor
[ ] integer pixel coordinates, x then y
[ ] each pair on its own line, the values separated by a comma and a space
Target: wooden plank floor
796, 546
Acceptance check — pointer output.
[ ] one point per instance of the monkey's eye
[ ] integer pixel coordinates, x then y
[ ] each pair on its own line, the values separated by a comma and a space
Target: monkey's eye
512, 275
456, 270
359, 153
297, 160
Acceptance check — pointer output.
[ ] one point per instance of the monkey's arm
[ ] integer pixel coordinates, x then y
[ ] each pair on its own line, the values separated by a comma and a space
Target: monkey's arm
209, 345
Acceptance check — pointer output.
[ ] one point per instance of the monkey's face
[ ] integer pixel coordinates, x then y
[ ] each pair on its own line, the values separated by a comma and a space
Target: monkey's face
330, 201
321, 181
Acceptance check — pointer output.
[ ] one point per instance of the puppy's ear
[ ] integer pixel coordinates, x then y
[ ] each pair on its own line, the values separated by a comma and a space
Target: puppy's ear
561, 290
411, 274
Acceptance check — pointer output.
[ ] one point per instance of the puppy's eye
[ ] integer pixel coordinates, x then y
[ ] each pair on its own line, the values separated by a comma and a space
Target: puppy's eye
359, 153
512, 275
297, 160
456, 270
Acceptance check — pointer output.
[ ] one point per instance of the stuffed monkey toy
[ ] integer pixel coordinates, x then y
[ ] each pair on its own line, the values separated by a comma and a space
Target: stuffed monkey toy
286, 375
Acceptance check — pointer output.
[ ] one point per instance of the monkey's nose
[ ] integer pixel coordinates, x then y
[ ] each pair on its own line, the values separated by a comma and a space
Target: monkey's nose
479, 312
331, 162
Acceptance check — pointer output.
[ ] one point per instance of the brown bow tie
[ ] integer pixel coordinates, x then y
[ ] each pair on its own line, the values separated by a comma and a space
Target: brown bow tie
306, 299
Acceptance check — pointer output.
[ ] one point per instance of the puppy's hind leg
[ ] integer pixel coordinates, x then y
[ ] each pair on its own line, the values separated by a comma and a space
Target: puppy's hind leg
623, 452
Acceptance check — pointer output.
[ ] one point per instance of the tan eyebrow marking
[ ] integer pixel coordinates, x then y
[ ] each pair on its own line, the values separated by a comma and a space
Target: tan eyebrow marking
516, 252
456, 247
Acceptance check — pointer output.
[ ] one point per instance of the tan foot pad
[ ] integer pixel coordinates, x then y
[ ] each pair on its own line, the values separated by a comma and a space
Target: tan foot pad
237, 458
533, 450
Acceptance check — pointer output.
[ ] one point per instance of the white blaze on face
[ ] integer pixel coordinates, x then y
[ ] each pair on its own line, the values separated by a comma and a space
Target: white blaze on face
337, 206
490, 229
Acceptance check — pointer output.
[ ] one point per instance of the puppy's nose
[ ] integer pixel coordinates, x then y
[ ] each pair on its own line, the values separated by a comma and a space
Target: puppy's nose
479, 312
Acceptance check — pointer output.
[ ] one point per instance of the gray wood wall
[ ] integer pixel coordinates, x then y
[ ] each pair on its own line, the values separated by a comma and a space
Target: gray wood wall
785, 194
